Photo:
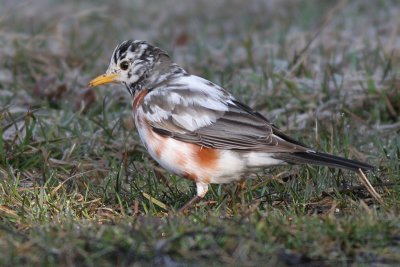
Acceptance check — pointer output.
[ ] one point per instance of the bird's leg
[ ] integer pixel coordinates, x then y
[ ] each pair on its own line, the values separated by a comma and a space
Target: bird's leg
241, 185
202, 189
239, 191
189, 204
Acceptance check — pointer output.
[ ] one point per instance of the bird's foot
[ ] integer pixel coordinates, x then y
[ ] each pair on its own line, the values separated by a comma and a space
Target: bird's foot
189, 204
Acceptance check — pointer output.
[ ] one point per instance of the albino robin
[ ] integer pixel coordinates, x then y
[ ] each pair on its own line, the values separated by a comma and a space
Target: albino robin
196, 129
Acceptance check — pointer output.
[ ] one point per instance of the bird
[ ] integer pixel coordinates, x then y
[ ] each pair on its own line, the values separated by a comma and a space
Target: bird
196, 129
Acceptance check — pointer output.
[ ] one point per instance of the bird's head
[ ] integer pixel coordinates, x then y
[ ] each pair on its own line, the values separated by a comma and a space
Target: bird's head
135, 64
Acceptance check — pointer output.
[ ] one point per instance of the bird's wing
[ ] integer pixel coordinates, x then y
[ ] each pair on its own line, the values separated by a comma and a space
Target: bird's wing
194, 110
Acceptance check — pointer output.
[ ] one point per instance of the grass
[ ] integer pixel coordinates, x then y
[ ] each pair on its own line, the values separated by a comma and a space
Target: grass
77, 187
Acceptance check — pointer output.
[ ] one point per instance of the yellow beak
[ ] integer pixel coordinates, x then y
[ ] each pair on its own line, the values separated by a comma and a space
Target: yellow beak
103, 79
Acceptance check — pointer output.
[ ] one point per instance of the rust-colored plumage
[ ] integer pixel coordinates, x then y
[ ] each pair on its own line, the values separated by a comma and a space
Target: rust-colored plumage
196, 129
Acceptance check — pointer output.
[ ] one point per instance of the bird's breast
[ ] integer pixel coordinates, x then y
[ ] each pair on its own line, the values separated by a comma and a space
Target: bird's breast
139, 98
197, 163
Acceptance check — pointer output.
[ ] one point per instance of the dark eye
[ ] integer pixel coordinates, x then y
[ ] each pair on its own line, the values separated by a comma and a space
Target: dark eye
124, 65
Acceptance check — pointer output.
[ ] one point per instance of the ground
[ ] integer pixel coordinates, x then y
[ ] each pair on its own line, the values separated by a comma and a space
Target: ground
77, 187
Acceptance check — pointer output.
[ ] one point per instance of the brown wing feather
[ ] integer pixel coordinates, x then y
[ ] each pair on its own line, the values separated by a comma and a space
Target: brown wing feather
238, 128
193, 110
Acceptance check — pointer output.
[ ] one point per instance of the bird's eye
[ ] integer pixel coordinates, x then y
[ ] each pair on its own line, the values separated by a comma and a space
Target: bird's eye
124, 65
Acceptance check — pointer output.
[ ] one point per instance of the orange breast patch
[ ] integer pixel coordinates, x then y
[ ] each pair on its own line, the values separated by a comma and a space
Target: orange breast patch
206, 157
139, 97
191, 161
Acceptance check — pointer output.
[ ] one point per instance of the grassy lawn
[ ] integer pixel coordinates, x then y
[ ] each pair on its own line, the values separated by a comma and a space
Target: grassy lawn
77, 187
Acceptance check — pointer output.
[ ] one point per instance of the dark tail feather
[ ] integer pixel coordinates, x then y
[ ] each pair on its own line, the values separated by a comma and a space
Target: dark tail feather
323, 159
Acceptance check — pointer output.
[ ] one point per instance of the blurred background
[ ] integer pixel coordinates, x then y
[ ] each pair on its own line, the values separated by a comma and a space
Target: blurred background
255, 49
326, 72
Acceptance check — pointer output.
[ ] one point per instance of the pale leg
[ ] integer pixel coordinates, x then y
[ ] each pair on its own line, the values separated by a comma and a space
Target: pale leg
202, 189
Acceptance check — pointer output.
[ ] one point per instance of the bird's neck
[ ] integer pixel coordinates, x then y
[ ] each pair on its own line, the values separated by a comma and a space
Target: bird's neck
163, 70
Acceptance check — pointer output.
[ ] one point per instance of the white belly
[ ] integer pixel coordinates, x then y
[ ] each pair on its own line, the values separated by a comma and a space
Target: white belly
182, 158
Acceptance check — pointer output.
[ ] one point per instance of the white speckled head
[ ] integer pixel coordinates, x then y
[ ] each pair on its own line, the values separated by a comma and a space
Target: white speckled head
133, 64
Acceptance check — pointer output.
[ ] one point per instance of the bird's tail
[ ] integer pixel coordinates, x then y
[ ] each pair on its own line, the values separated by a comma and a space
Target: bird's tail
322, 159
